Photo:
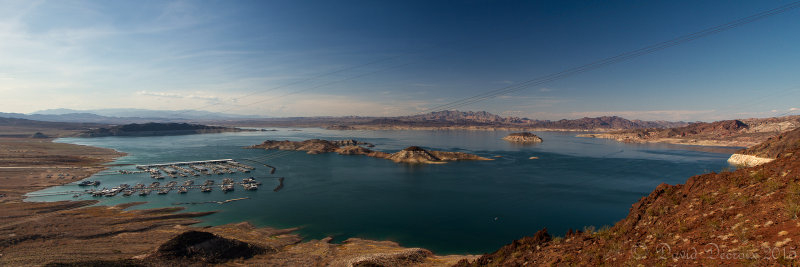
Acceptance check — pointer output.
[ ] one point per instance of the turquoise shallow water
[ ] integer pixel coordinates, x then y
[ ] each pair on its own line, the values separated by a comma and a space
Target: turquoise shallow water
460, 207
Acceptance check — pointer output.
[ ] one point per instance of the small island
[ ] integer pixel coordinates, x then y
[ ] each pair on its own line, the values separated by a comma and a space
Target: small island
412, 154
523, 137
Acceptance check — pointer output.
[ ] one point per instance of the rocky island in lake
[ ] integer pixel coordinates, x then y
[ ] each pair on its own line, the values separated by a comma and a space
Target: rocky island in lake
523, 137
412, 154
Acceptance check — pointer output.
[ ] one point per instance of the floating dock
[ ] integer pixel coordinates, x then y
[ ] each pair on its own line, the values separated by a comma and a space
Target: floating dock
183, 163
157, 188
195, 168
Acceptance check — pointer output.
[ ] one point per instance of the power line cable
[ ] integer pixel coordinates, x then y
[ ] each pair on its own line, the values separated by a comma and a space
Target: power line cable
322, 85
612, 60
310, 78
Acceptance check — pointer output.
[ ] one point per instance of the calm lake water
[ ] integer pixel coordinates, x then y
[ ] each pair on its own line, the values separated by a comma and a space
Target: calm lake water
460, 207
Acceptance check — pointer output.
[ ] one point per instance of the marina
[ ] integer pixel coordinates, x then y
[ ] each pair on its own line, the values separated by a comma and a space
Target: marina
227, 185
194, 168
187, 170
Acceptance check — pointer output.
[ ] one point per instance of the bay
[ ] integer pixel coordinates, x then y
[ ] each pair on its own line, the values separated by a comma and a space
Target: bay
455, 208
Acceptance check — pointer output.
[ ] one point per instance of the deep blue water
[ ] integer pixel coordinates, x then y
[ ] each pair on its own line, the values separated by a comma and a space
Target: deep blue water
460, 207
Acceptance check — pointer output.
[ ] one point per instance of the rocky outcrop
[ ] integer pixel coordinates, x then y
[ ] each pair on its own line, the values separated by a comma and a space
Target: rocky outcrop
747, 160
312, 146
351, 142
523, 137
352, 150
412, 154
39, 135
774, 146
205, 247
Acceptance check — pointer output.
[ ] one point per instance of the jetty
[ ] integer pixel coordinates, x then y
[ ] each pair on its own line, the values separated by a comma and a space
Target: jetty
211, 202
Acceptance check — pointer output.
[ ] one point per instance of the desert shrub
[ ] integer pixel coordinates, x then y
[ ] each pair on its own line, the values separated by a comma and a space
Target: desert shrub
707, 198
604, 233
758, 176
772, 185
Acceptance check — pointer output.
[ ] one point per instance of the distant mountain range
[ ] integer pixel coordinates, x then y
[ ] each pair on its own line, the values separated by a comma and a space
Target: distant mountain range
124, 116
456, 119
441, 119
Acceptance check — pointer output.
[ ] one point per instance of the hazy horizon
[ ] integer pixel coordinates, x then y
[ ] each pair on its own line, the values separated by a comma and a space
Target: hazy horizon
363, 58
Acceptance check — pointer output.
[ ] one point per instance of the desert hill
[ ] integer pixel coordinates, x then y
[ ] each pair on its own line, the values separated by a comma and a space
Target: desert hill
742, 133
15, 127
157, 129
767, 151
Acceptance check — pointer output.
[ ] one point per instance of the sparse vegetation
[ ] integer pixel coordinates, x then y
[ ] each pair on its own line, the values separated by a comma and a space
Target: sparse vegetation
604, 233
682, 227
743, 198
714, 224
772, 185
707, 198
589, 229
792, 200
758, 176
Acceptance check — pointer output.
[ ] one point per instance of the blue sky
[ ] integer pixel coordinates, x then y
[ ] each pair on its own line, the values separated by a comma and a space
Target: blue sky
307, 58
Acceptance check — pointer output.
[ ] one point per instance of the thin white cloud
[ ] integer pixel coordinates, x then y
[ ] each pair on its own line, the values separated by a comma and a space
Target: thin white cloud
329, 105
423, 85
201, 96
504, 82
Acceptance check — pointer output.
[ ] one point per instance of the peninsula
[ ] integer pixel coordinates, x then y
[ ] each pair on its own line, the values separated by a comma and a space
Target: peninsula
412, 154
767, 151
158, 129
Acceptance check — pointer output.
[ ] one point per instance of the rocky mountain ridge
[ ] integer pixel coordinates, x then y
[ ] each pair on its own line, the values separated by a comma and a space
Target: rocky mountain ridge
453, 119
483, 118
742, 133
